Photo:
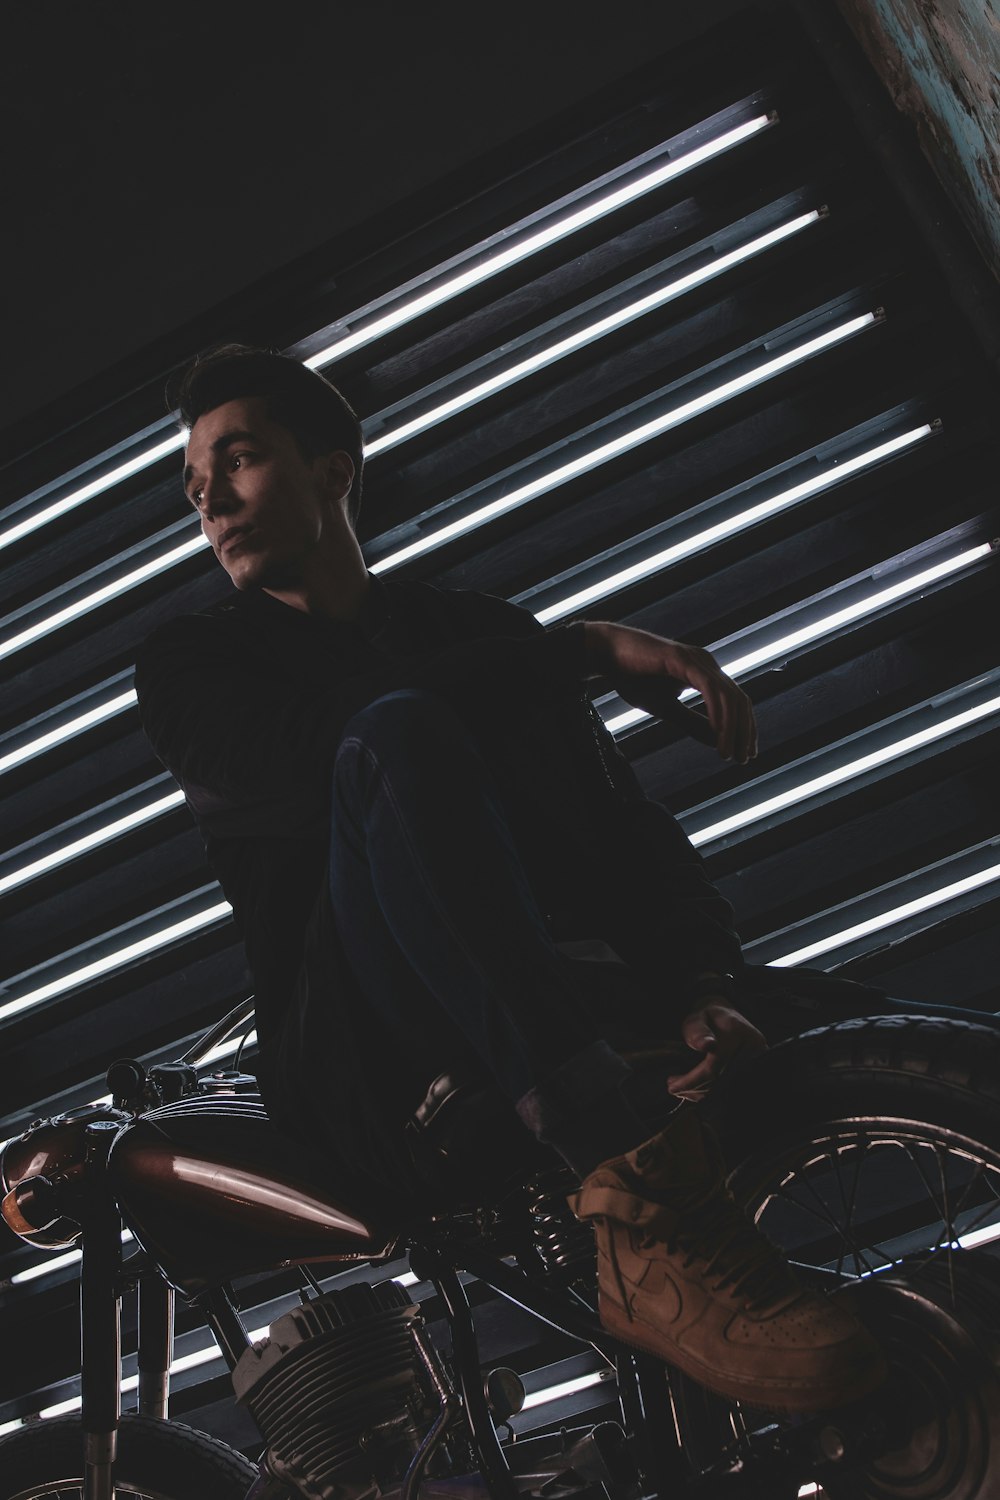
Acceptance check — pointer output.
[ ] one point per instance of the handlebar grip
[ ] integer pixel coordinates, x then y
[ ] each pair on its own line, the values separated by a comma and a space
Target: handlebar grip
126, 1079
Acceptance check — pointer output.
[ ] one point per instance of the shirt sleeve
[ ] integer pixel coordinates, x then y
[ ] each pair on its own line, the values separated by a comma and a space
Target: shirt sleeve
678, 923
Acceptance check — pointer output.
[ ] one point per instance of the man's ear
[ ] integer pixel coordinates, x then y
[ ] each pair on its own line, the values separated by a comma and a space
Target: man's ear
338, 474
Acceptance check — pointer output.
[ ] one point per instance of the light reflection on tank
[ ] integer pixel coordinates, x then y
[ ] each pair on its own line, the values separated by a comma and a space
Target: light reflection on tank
212, 1191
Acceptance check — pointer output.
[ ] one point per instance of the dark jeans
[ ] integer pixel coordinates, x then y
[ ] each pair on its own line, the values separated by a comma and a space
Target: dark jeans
439, 919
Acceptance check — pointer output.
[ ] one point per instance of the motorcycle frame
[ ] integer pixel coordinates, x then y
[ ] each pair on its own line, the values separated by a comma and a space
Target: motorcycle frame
101, 1287
643, 1382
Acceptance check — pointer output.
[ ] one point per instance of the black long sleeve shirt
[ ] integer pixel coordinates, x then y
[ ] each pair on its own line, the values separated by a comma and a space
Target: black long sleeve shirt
246, 703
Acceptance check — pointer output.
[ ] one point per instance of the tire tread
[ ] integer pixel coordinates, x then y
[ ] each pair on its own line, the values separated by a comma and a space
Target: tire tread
181, 1462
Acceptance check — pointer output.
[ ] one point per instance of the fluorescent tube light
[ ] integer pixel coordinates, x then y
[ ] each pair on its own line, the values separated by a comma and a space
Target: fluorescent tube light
46, 1267
616, 725
888, 918
209, 1355
94, 487
588, 335
667, 556
565, 1388
988, 1235
856, 611
103, 595
520, 496
116, 960
631, 716
217, 1054
73, 1257
57, 1263
413, 307
808, 634
198, 1357
107, 710
123, 701
592, 459
610, 584
91, 841
492, 265
228, 1049
846, 772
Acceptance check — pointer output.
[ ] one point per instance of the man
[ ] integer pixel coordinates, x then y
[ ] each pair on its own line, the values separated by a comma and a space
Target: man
413, 809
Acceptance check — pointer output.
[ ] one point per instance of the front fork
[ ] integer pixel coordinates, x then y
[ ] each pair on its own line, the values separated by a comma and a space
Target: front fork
101, 1286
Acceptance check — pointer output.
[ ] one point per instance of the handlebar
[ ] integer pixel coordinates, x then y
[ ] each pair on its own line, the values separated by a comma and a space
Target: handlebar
238, 1016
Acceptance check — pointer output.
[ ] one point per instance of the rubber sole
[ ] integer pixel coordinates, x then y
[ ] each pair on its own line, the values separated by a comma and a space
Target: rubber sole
769, 1397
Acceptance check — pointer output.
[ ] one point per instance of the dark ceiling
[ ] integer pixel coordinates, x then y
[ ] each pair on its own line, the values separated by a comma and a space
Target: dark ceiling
156, 166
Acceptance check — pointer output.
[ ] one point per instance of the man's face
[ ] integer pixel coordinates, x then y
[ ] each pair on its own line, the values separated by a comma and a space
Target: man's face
263, 506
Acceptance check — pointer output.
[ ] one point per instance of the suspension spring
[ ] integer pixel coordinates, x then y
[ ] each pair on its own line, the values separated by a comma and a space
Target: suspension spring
564, 1245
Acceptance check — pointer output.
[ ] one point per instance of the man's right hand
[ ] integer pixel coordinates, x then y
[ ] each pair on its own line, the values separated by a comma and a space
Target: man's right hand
722, 1037
650, 670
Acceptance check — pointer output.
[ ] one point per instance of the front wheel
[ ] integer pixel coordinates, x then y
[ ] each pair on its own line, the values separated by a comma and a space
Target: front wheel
156, 1461
871, 1149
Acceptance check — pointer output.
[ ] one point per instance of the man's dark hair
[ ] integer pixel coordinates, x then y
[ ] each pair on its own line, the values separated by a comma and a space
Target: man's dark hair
318, 416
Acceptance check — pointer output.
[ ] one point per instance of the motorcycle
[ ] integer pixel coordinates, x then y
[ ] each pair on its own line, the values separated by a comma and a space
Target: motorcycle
869, 1148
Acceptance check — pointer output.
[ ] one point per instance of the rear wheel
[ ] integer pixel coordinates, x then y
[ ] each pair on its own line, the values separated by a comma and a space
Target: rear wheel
156, 1461
871, 1149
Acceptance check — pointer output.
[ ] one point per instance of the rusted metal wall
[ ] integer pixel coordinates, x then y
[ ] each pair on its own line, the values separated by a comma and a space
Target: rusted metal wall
940, 60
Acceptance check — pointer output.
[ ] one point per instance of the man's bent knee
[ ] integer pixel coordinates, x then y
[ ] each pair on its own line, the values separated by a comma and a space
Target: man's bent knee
401, 725
384, 718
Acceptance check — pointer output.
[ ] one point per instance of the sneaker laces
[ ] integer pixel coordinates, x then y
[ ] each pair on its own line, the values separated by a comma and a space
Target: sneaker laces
714, 1230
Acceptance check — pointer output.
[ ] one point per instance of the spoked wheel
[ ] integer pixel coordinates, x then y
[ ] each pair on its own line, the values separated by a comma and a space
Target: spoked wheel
937, 1419
871, 1150
156, 1461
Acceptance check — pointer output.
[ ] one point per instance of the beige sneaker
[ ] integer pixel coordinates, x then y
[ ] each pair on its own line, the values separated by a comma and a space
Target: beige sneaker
684, 1274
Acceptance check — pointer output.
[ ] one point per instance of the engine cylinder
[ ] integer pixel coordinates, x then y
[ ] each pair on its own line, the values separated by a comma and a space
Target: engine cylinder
337, 1392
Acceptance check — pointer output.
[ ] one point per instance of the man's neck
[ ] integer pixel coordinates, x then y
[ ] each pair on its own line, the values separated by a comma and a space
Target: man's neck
335, 593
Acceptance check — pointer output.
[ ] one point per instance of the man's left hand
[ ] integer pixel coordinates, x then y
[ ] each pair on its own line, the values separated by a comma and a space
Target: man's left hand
649, 671
723, 1037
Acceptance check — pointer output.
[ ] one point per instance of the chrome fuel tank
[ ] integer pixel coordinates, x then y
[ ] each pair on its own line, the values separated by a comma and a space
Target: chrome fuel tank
212, 1191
